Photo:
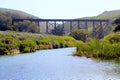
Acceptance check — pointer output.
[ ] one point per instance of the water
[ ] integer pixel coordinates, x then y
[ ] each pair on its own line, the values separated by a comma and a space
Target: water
56, 65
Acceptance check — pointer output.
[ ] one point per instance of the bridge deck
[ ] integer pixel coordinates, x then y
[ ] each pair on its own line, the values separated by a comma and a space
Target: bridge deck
83, 20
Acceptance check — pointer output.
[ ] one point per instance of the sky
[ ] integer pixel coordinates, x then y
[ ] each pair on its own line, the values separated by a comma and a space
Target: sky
62, 9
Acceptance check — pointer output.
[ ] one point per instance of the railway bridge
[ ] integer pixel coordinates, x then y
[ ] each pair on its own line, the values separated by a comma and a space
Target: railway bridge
96, 25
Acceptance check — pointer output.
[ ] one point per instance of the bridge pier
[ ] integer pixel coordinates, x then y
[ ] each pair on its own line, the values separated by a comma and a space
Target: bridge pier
47, 27
78, 24
63, 27
55, 26
70, 26
101, 35
93, 29
39, 27
86, 26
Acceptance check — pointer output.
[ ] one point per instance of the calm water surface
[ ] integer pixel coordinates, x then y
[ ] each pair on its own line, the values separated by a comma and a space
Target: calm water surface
56, 65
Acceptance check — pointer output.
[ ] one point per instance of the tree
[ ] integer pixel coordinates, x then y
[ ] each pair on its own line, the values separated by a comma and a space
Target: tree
59, 30
3, 27
80, 34
117, 23
26, 26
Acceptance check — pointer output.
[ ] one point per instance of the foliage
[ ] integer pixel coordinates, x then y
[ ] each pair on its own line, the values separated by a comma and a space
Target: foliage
25, 26
3, 27
99, 48
27, 46
79, 34
27, 42
113, 37
58, 30
106, 48
117, 23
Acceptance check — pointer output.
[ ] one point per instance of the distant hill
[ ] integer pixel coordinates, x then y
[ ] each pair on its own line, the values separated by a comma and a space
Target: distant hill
106, 15
16, 13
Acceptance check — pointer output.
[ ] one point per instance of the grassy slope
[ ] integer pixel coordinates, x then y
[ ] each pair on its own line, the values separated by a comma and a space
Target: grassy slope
18, 12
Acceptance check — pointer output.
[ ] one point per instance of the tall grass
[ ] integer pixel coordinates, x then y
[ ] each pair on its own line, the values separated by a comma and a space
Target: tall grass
107, 48
27, 42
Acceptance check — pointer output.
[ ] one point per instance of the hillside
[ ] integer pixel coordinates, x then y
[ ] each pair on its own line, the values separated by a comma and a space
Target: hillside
110, 12
106, 15
16, 13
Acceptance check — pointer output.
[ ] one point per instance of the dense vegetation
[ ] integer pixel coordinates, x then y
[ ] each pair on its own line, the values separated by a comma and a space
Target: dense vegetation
14, 42
25, 26
80, 34
58, 30
106, 48
117, 24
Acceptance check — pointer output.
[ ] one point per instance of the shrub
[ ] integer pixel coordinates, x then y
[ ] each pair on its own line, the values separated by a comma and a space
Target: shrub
113, 37
58, 30
80, 34
27, 46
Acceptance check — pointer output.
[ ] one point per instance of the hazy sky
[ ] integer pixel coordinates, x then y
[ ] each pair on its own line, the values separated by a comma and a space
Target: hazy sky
68, 9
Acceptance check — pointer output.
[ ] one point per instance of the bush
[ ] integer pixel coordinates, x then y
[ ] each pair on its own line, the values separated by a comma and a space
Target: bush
80, 34
27, 46
58, 30
113, 37
97, 48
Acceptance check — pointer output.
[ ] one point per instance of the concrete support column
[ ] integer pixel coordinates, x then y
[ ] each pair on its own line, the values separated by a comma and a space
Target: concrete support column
47, 27
101, 34
70, 26
55, 26
93, 29
86, 25
39, 28
78, 24
63, 27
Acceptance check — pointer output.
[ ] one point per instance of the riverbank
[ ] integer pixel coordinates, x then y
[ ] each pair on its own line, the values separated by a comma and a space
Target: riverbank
16, 42
106, 48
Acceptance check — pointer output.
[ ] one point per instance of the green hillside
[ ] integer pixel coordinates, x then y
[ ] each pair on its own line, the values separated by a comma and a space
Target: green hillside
106, 15
16, 13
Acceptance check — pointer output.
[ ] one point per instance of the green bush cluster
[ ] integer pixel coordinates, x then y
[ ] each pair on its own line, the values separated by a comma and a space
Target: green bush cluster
27, 46
107, 48
14, 42
79, 34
